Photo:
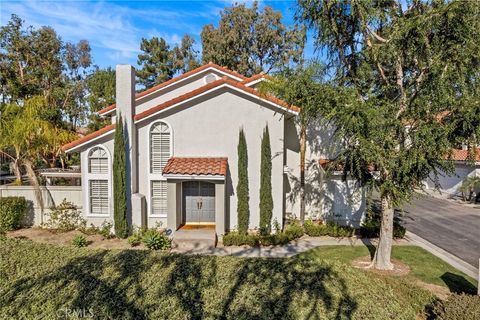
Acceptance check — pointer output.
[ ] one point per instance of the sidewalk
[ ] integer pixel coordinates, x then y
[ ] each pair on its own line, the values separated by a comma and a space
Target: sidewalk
301, 245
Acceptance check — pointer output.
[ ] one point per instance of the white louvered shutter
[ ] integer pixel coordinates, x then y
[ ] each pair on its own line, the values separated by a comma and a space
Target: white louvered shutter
159, 147
98, 161
99, 197
159, 197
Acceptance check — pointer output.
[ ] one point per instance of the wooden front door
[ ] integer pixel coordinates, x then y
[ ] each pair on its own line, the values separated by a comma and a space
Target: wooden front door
199, 202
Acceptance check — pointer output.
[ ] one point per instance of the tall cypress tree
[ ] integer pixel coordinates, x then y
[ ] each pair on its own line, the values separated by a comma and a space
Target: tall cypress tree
243, 210
119, 182
266, 200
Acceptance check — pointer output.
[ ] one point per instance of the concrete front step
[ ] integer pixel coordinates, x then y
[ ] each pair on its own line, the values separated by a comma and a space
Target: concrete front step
194, 240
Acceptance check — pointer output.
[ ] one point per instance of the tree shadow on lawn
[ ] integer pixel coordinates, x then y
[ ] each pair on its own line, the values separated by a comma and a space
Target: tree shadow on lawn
257, 288
458, 284
140, 284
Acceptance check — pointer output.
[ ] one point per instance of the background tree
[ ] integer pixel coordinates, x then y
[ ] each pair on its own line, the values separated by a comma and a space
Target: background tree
398, 68
156, 62
185, 55
119, 182
243, 209
303, 87
101, 89
160, 63
266, 200
250, 41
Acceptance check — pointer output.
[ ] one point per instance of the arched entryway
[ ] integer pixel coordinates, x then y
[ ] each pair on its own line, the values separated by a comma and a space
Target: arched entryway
198, 202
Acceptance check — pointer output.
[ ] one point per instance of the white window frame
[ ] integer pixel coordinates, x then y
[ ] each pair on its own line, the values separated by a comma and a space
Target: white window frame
97, 176
89, 156
156, 176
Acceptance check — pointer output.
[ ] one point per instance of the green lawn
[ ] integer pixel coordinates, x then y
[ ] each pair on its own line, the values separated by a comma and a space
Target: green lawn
38, 281
424, 266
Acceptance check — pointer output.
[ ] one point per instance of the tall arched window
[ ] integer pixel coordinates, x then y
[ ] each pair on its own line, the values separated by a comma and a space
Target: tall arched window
97, 180
98, 161
160, 136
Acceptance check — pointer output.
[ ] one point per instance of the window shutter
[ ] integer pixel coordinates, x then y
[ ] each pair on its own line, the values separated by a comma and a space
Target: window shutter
99, 197
159, 197
159, 147
98, 161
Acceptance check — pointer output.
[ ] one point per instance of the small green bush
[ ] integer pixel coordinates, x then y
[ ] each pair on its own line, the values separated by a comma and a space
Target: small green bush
65, 217
155, 240
79, 241
12, 212
105, 230
135, 239
293, 230
315, 229
241, 239
371, 229
458, 307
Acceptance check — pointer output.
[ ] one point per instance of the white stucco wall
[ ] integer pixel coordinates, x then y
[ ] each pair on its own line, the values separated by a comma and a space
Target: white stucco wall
449, 184
52, 196
173, 91
327, 196
209, 127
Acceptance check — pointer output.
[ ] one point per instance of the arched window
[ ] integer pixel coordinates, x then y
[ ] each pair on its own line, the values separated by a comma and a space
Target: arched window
98, 161
160, 136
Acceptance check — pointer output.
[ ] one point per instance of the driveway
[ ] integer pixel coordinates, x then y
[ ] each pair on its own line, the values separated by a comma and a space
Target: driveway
452, 227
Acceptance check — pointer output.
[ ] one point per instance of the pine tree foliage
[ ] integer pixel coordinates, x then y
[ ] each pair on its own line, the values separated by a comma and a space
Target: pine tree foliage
120, 182
243, 209
266, 200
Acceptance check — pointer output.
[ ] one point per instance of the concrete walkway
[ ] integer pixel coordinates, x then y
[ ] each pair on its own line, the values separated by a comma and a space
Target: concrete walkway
301, 245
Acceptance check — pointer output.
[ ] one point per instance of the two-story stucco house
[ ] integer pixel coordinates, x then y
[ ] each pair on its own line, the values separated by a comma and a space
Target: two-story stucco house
182, 154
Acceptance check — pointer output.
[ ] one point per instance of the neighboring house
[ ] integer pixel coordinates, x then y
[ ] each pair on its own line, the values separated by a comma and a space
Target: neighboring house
449, 184
182, 154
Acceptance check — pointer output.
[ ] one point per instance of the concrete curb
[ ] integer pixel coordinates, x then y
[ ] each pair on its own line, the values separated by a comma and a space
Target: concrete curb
449, 258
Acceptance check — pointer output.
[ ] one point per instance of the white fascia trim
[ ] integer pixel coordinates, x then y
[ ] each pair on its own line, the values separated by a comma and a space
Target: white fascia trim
177, 82
89, 141
194, 176
254, 82
214, 89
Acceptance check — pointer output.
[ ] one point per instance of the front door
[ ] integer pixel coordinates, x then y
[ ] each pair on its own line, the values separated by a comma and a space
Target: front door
199, 202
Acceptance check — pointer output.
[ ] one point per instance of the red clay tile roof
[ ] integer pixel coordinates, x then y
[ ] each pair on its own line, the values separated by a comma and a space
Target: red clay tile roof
196, 166
462, 155
88, 137
210, 86
183, 76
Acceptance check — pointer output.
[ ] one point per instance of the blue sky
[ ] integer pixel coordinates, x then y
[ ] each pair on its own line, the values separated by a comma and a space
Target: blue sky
114, 28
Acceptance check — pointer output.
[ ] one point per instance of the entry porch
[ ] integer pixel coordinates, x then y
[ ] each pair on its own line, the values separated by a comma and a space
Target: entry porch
196, 193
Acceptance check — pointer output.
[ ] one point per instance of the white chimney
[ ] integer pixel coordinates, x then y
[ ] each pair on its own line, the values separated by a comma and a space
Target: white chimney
125, 101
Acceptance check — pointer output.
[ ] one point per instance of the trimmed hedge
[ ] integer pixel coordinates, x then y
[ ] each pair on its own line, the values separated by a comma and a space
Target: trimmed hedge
315, 229
12, 212
292, 231
458, 307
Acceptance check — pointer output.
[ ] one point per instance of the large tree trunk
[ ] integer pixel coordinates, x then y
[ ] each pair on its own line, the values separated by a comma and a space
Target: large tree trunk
17, 172
303, 142
381, 260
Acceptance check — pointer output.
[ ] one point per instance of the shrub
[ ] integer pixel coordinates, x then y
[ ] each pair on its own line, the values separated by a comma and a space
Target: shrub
458, 307
105, 230
331, 229
243, 210
266, 200
371, 229
120, 182
293, 230
79, 241
155, 240
65, 217
135, 239
12, 212
240, 239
